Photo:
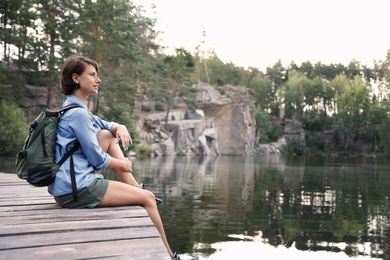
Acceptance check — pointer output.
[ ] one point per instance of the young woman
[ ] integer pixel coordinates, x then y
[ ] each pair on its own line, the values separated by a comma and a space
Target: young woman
99, 150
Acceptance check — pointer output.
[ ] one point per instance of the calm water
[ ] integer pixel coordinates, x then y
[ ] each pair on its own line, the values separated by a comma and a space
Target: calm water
272, 207
267, 207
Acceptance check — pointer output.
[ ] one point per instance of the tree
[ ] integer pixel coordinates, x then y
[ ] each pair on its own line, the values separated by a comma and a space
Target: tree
353, 69
119, 38
263, 124
293, 94
49, 13
215, 73
173, 73
263, 92
12, 25
376, 115
338, 86
352, 107
307, 69
277, 75
328, 97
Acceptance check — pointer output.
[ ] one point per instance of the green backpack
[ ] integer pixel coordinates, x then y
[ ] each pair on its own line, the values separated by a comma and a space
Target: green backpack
35, 162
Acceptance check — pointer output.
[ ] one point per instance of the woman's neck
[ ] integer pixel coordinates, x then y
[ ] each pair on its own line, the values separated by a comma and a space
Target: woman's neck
80, 96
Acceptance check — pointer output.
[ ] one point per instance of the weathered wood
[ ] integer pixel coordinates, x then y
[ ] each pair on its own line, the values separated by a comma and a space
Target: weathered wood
32, 226
120, 249
72, 236
62, 226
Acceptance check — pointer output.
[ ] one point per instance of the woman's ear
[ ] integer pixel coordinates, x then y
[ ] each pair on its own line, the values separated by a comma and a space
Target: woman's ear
75, 78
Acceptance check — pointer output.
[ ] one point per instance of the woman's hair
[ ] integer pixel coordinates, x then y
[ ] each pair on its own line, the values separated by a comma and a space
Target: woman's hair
74, 64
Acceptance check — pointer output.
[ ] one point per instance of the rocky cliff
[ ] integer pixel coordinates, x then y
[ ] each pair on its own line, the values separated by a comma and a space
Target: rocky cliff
33, 100
223, 125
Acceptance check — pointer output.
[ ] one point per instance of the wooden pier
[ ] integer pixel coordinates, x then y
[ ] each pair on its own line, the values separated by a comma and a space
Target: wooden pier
32, 226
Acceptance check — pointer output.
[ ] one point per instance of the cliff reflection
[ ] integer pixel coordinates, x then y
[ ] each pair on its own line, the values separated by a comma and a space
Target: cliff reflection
315, 204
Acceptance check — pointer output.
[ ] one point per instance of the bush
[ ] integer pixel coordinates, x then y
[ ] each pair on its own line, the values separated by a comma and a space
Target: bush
13, 128
270, 130
142, 151
295, 146
315, 141
384, 134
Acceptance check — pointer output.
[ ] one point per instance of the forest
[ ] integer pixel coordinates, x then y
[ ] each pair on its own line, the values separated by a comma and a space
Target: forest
36, 36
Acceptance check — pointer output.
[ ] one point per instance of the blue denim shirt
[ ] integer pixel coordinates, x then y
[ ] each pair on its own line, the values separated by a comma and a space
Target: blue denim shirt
80, 124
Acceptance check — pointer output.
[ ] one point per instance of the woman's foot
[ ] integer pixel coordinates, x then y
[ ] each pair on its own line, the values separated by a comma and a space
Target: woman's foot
176, 256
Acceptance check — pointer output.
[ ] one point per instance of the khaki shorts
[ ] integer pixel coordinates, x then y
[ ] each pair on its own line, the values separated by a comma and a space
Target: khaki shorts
89, 197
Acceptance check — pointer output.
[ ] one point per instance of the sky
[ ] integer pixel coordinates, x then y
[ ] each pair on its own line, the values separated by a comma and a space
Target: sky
258, 33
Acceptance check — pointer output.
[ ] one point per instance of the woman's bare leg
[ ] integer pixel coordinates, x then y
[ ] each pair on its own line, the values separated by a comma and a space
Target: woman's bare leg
122, 194
128, 192
107, 142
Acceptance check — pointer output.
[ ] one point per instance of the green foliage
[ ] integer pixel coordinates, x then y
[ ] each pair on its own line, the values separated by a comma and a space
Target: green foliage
189, 93
384, 135
118, 94
263, 124
269, 130
276, 133
315, 141
119, 113
210, 70
143, 151
293, 92
170, 77
221, 90
263, 92
316, 122
13, 128
352, 105
295, 146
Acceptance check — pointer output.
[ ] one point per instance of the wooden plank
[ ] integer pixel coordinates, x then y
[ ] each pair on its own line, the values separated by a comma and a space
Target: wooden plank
140, 249
76, 236
76, 214
53, 208
34, 227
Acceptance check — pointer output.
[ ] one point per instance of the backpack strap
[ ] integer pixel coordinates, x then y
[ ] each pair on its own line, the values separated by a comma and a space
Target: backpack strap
70, 153
73, 179
63, 109
72, 172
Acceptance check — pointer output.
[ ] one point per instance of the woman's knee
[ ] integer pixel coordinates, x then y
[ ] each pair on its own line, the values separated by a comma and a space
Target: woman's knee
105, 134
105, 139
149, 198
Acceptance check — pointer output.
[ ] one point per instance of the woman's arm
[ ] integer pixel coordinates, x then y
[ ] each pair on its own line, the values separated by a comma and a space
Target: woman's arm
121, 133
122, 164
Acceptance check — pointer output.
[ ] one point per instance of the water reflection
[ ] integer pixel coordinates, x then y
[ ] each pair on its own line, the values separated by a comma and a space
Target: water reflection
270, 207
304, 204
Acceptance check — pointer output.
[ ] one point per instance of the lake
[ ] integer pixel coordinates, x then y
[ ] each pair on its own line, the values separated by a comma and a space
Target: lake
263, 207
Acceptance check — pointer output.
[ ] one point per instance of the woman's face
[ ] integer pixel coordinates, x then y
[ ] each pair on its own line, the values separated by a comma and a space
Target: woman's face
88, 81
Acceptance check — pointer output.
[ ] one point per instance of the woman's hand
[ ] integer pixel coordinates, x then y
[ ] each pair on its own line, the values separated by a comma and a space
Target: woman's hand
123, 135
123, 164
127, 165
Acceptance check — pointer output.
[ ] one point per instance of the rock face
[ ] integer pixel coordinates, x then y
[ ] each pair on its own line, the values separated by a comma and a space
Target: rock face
278, 147
223, 125
233, 121
33, 100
